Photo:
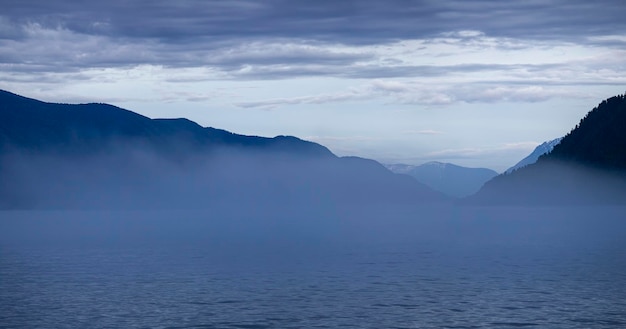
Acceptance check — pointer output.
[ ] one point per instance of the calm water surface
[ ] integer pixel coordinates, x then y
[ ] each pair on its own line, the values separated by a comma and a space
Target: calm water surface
454, 268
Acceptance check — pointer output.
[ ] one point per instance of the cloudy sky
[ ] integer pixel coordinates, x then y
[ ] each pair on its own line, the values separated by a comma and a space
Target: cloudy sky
476, 83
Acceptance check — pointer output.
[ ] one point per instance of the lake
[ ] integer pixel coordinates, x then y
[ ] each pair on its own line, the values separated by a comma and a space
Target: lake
364, 267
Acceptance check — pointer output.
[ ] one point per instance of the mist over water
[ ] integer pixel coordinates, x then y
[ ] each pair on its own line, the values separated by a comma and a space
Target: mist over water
142, 178
555, 182
130, 237
356, 267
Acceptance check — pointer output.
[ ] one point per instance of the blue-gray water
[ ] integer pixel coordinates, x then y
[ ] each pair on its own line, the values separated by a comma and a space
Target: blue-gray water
411, 268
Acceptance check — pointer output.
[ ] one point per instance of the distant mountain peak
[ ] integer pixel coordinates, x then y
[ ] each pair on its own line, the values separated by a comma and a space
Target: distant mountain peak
436, 164
541, 149
448, 178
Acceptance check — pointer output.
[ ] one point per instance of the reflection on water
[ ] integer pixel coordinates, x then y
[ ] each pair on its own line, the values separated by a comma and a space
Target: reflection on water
459, 268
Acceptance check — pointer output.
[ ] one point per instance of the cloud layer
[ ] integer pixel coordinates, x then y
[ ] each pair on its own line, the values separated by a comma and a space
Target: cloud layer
262, 39
354, 22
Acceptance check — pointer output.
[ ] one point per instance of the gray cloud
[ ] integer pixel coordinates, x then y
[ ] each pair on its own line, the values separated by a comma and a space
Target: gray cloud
351, 68
427, 94
314, 99
365, 21
423, 132
280, 39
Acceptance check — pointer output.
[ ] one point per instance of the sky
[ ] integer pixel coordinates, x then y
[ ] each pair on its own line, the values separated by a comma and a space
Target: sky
475, 83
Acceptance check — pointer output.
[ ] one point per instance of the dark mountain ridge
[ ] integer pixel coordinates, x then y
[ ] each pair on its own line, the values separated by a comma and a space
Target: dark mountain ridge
599, 140
101, 156
588, 166
31, 124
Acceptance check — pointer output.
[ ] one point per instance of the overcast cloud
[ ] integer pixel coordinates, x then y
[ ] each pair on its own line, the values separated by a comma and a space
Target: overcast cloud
281, 54
349, 22
232, 34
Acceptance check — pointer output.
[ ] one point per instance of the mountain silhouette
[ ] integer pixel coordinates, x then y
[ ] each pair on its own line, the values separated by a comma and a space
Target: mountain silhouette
39, 126
588, 166
450, 179
101, 156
